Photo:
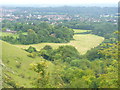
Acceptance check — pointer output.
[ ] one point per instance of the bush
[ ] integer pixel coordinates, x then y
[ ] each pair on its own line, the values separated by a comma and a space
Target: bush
18, 65
93, 54
47, 47
68, 53
31, 49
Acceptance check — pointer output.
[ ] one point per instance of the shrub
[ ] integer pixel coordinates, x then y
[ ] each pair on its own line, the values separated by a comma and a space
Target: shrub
47, 47
18, 65
31, 49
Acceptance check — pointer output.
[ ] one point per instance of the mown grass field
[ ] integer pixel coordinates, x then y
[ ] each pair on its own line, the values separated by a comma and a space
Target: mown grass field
82, 42
76, 31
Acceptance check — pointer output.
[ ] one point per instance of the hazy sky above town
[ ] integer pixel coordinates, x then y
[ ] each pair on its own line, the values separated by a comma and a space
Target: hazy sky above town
57, 2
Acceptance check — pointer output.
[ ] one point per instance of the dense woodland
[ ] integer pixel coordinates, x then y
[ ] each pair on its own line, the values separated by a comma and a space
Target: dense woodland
37, 33
98, 68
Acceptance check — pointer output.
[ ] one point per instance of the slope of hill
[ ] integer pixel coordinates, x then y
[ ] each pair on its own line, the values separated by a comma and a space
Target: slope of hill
16, 66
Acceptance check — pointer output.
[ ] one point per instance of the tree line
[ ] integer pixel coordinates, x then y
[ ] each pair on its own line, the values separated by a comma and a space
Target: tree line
38, 33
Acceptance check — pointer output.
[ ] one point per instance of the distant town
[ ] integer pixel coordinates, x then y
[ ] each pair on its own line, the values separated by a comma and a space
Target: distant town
53, 18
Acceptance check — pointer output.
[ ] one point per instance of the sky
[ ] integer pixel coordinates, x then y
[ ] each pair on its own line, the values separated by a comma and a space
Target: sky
57, 2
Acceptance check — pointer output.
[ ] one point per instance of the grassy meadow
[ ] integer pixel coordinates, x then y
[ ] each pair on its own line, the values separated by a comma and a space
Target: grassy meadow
82, 42
76, 31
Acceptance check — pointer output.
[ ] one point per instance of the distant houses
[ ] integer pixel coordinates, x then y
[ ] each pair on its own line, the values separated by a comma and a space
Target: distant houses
10, 31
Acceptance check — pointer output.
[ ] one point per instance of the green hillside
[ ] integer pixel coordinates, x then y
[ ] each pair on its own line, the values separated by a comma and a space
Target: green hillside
16, 65
16, 62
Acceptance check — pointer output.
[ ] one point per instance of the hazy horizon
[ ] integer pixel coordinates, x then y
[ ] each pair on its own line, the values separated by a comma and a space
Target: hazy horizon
56, 3
37, 5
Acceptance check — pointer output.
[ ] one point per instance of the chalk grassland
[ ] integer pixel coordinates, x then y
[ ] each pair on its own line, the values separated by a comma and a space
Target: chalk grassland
82, 42
16, 64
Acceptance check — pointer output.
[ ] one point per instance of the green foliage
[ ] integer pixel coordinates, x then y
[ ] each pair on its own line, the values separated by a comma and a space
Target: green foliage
10, 39
64, 53
43, 77
81, 63
110, 78
3, 29
67, 53
110, 50
78, 25
40, 32
94, 54
47, 47
31, 37
31, 49
104, 29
